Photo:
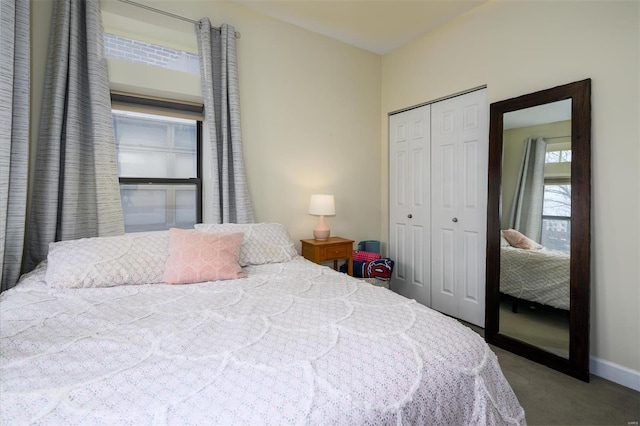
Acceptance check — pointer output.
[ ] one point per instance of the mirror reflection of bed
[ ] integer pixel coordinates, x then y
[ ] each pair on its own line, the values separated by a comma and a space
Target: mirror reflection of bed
536, 223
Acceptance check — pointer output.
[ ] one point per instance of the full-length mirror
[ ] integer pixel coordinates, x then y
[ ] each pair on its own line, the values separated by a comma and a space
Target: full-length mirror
538, 230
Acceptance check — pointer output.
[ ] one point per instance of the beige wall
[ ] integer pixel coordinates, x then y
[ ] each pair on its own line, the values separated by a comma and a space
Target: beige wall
521, 47
310, 114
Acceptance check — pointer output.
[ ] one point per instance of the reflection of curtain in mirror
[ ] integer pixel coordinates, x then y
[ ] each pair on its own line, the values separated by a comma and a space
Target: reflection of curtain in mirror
526, 211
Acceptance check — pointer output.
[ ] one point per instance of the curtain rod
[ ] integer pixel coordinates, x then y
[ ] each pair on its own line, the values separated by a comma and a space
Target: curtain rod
163, 12
558, 137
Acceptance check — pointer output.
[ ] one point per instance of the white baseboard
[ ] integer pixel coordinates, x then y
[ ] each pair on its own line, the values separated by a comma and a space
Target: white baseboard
615, 372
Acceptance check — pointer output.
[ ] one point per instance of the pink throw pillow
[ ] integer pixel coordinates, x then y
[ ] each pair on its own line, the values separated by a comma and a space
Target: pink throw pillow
198, 256
519, 240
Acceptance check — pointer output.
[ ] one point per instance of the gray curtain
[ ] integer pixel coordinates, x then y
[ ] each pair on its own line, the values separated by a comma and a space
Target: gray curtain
526, 210
219, 77
76, 192
14, 127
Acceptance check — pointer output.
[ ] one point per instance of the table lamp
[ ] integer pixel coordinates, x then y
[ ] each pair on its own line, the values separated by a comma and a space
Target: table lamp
322, 205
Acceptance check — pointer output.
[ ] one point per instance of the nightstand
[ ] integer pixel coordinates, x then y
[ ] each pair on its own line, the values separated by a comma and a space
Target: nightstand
332, 249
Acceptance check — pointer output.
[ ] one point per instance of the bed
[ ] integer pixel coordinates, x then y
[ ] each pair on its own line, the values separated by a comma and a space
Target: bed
540, 276
84, 341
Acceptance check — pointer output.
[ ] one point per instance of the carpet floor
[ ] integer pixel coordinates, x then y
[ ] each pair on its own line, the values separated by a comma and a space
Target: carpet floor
540, 326
552, 398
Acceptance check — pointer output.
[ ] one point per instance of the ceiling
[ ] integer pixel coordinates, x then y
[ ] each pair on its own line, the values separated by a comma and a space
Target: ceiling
540, 114
378, 26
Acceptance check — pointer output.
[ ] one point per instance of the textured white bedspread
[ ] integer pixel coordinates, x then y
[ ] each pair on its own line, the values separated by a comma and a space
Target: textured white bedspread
294, 343
540, 276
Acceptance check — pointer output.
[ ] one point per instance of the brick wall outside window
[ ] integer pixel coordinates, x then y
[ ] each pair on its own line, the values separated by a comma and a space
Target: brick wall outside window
150, 54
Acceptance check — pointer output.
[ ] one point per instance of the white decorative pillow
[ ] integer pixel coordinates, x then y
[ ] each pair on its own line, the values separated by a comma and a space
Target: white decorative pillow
135, 258
263, 242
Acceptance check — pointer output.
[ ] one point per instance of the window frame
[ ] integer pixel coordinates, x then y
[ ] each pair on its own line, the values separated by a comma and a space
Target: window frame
557, 181
164, 104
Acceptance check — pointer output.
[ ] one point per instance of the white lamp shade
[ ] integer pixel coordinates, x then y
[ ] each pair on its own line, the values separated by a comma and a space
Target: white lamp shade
322, 205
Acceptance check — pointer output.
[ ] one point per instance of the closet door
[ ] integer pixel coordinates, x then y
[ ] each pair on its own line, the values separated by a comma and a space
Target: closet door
459, 167
409, 244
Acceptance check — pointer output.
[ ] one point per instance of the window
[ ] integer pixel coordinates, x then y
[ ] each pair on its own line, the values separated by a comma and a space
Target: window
150, 54
561, 156
159, 162
556, 215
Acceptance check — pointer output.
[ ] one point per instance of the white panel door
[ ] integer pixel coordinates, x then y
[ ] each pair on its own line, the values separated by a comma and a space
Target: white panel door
459, 167
409, 206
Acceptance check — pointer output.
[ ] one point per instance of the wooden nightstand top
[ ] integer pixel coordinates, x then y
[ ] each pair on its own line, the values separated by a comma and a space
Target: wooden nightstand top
331, 240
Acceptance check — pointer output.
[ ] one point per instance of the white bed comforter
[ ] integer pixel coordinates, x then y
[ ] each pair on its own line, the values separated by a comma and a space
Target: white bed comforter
294, 343
540, 276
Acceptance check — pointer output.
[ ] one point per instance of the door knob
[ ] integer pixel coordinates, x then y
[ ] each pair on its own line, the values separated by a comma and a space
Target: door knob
455, 219
409, 215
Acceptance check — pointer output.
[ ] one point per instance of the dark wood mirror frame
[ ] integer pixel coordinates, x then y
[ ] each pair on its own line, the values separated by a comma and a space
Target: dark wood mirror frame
577, 365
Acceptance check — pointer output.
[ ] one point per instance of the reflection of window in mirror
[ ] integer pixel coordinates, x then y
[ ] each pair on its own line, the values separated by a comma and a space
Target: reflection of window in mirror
556, 215
558, 157
556, 207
